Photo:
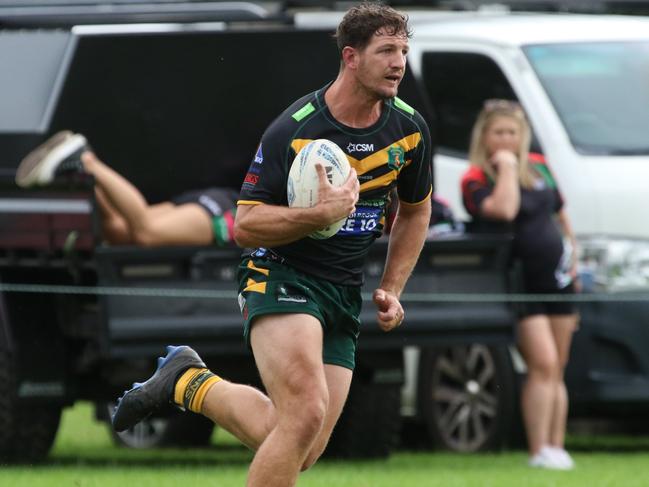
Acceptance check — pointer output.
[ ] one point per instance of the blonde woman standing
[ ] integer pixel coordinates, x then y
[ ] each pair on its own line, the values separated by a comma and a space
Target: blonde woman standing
506, 182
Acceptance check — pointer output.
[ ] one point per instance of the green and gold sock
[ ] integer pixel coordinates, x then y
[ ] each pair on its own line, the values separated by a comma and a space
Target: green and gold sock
192, 386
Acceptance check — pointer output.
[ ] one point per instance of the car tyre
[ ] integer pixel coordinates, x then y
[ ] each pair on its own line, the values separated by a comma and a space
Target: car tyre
27, 431
468, 397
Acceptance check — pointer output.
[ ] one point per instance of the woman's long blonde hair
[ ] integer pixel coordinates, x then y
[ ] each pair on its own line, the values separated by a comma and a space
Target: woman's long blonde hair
478, 151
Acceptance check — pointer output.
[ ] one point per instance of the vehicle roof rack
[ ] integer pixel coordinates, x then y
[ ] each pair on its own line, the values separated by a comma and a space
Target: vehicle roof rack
577, 6
67, 13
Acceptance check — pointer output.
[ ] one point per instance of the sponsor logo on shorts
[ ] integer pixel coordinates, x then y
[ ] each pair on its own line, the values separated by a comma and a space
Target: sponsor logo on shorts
291, 299
283, 295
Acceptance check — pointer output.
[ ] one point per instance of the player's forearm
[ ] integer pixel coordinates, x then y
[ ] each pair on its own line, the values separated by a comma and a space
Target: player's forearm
407, 238
270, 225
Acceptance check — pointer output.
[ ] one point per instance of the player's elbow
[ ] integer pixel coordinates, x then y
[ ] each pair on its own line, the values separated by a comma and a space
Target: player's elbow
243, 237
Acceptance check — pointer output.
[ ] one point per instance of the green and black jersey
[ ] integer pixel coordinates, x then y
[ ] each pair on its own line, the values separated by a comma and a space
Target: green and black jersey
395, 152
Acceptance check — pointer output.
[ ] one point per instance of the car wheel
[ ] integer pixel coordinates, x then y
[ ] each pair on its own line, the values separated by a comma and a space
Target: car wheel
27, 431
467, 396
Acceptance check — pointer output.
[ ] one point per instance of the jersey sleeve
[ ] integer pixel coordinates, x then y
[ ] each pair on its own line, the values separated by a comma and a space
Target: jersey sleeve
475, 188
415, 181
265, 181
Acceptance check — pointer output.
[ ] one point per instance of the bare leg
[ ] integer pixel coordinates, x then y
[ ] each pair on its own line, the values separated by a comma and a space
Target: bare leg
563, 327
536, 343
115, 228
288, 351
123, 197
285, 427
149, 225
186, 224
338, 381
251, 416
242, 410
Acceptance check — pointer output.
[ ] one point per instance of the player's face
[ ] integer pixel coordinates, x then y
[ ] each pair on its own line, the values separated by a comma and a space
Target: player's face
502, 133
382, 64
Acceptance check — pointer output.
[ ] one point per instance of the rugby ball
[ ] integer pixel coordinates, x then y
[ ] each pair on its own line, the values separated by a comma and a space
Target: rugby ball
302, 185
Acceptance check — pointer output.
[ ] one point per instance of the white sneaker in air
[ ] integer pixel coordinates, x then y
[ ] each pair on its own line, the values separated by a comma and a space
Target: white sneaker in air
59, 154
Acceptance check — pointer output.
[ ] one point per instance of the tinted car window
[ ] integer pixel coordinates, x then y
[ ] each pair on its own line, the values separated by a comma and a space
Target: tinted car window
174, 112
457, 84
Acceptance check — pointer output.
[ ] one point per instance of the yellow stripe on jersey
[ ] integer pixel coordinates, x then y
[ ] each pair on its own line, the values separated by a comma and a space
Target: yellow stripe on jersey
380, 182
381, 157
298, 144
384, 180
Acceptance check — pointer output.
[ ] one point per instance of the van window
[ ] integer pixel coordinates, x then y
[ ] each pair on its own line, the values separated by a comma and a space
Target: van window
457, 84
600, 91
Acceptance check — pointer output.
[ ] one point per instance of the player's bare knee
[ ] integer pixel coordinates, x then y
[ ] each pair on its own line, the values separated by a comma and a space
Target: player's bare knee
310, 418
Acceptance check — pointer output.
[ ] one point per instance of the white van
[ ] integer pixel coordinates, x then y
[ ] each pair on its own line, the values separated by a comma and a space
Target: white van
584, 83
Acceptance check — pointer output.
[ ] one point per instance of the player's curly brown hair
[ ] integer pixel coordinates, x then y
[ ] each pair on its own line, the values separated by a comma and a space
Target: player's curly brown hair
360, 23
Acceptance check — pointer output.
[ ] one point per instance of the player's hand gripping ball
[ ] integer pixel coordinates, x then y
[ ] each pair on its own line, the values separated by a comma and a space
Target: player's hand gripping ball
303, 182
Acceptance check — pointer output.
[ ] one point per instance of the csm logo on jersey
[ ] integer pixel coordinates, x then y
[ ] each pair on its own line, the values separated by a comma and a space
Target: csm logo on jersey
351, 147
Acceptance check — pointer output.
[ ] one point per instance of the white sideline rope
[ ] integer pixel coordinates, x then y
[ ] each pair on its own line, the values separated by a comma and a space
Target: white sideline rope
405, 297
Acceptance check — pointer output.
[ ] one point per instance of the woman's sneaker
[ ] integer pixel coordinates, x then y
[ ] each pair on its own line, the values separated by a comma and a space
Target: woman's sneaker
59, 154
547, 458
563, 457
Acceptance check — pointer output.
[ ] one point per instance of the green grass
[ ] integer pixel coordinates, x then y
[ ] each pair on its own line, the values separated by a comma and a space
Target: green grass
84, 456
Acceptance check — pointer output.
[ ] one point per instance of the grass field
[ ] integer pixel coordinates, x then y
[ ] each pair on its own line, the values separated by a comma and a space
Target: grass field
84, 456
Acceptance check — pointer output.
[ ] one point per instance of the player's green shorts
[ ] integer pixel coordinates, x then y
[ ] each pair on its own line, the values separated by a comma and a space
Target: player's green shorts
267, 287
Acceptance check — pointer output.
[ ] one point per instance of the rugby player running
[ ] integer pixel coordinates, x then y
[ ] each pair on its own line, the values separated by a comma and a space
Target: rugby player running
300, 297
